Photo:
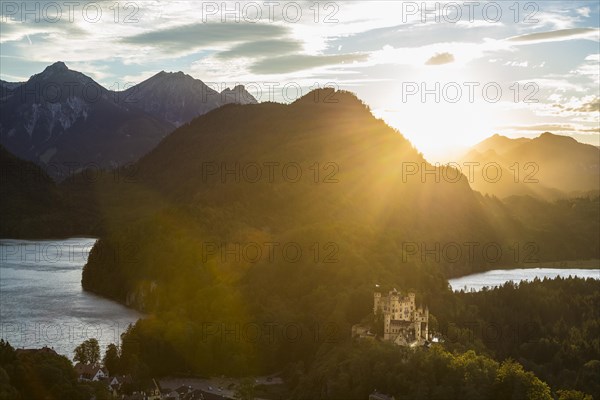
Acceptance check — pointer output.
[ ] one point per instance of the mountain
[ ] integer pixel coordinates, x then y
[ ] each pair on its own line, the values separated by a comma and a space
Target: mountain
308, 172
548, 167
33, 206
238, 95
26, 191
500, 144
177, 98
9, 85
274, 172
66, 122
288, 215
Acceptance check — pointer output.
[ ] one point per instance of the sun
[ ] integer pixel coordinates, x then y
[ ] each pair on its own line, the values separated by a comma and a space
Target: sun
442, 130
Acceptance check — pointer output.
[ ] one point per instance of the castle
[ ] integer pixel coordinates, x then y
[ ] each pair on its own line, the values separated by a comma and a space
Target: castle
403, 323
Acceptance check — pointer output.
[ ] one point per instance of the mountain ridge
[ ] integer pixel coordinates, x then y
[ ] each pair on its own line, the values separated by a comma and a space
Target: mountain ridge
549, 166
65, 121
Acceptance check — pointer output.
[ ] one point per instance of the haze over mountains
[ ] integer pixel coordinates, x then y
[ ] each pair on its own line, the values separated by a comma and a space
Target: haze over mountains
64, 121
548, 167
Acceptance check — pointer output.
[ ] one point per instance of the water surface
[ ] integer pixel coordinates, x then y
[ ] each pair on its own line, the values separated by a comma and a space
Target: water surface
42, 302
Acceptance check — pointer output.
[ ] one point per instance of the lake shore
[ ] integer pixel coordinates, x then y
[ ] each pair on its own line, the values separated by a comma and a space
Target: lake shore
565, 264
498, 277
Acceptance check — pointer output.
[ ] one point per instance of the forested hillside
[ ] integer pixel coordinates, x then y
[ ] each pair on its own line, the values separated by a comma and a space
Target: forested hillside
290, 214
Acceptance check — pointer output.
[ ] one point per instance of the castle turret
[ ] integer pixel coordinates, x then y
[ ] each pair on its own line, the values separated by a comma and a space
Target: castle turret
376, 302
411, 298
426, 323
387, 322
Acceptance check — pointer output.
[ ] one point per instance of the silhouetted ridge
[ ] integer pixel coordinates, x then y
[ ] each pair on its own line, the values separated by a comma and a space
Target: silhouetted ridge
551, 137
57, 66
330, 96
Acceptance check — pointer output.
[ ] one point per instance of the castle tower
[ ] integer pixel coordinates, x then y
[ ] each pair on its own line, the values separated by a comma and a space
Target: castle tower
411, 298
394, 305
376, 302
387, 327
426, 323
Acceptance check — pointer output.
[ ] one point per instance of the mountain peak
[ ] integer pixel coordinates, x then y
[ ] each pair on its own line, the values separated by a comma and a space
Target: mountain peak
237, 88
548, 136
332, 96
179, 79
178, 74
238, 94
59, 74
57, 67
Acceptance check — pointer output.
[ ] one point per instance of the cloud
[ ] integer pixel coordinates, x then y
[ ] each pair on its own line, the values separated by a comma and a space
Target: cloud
593, 57
261, 48
584, 11
556, 15
298, 62
555, 84
440, 58
13, 31
592, 106
589, 70
557, 35
190, 37
521, 64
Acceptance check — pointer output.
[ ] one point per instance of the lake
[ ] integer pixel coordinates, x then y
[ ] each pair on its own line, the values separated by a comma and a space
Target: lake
42, 302
498, 277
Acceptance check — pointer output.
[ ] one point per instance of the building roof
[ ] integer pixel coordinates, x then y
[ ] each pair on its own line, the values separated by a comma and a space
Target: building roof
44, 349
88, 370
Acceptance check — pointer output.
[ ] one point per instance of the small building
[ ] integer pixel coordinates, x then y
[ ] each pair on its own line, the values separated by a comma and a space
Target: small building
116, 383
90, 372
362, 331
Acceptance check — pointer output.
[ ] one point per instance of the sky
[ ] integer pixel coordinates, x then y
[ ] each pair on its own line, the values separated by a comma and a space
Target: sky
445, 74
